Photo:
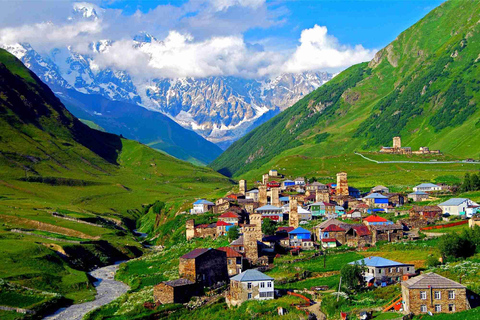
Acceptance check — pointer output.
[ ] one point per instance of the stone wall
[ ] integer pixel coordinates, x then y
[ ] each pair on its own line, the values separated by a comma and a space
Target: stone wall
163, 293
413, 302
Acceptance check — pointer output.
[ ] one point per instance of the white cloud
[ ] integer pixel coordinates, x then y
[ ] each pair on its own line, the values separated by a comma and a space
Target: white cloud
220, 5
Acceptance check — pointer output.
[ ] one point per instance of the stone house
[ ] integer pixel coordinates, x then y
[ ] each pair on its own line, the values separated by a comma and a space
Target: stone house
358, 236
223, 227
230, 217
317, 230
271, 212
380, 189
234, 261
175, 291
250, 285
316, 186
395, 199
252, 194
322, 209
430, 213
297, 236
237, 245
418, 196
334, 231
201, 206
430, 292
206, 267
388, 232
201, 230
381, 271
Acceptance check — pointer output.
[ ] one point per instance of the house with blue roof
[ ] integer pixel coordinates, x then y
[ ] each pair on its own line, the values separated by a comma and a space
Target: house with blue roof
301, 237
427, 187
201, 206
382, 272
376, 200
418, 196
288, 183
271, 212
457, 206
250, 285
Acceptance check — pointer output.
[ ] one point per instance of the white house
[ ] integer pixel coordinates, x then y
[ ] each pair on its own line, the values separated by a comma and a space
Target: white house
252, 194
201, 206
457, 206
427, 187
250, 285
300, 181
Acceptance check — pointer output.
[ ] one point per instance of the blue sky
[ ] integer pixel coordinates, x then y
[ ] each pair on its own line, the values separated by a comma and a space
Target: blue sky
200, 38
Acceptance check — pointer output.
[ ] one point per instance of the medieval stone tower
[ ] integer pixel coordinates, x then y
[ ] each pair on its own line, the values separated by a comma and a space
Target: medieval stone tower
274, 197
265, 178
322, 196
342, 184
397, 143
256, 220
242, 186
190, 225
250, 242
293, 219
262, 195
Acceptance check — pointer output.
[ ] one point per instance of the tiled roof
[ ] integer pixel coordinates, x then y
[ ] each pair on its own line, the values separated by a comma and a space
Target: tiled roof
329, 222
251, 275
194, 253
205, 225
230, 252
374, 218
431, 280
223, 224
238, 242
362, 230
329, 240
333, 228
286, 229
229, 214
379, 262
362, 205
178, 282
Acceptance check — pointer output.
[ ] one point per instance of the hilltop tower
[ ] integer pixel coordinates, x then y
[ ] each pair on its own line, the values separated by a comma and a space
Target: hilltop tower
274, 197
250, 242
190, 225
242, 186
397, 143
342, 184
265, 178
262, 195
293, 219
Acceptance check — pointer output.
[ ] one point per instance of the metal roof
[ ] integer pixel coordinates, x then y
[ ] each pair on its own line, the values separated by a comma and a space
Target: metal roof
379, 262
284, 199
427, 185
453, 202
418, 193
251, 275
431, 280
376, 195
268, 207
203, 201
299, 230
253, 191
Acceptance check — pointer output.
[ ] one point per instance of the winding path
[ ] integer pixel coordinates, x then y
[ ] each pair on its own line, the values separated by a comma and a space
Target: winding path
420, 162
107, 290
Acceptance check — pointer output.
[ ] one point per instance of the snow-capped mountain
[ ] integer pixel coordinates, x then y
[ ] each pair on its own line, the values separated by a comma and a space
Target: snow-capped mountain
221, 109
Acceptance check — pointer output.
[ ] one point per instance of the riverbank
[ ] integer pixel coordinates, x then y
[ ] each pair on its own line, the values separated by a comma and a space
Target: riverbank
107, 288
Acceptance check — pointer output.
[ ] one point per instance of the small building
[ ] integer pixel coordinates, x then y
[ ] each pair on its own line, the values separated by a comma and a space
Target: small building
297, 235
430, 292
381, 271
386, 232
250, 285
322, 209
237, 245
316, 186
252, 194
339, 211
201, 230
358, 235
273, 173
430, 213
376, 220
418, 196
206, 267
273, 184
376, 200
318, 229
329, 243
288, 183
201, 206
334, 231
427, 187
175, 291
230, 217
353, 214
223, 227
272, 212
380, 189
234, 261
304, 214
284, 200
300, 181
456, 206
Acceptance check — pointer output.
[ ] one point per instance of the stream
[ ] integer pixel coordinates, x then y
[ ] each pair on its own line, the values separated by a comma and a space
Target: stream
107, 290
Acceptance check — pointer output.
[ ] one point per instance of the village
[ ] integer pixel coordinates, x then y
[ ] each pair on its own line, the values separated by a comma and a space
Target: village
281, 217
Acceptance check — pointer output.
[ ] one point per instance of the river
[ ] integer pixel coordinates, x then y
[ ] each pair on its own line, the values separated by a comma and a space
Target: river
107, 290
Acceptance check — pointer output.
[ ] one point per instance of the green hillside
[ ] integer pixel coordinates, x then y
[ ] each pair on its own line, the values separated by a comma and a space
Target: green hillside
51, 162
423, 87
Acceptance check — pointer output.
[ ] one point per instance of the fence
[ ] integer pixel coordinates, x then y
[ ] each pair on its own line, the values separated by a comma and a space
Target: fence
447, 225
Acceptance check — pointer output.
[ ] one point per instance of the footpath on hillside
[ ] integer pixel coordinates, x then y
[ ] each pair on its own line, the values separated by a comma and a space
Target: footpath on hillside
421, 162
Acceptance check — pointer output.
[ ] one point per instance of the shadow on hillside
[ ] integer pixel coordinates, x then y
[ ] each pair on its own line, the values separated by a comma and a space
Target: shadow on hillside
226, 172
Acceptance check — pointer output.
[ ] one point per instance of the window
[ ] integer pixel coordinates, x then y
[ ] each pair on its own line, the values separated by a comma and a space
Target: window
438, 308
423, 308
269, 284
451, 294
262, 284
392, 270
423, 295
249, 285
249, 296
266, 294
437, 295
398, 269
408, 269
451, 307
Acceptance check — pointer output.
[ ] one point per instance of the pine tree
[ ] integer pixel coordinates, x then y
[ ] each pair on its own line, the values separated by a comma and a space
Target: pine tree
475, 182
466, 183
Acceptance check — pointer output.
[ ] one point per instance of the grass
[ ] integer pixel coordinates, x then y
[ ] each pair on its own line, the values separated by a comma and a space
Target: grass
454, 229
472, 314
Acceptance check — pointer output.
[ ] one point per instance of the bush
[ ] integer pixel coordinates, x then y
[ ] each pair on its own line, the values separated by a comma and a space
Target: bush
432, 262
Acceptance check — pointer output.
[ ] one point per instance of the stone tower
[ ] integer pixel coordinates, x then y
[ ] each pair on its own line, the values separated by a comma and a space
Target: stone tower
250, 242
293, 219
190, 225
256, 220
265, 179
322, 196
274, 198
342, 184
397, 143
262, 195
242, 186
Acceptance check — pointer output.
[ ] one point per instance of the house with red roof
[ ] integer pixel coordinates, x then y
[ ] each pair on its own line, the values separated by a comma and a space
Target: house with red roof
223, 227
374, 220
229, 217
334, 231
329, 243
235, 261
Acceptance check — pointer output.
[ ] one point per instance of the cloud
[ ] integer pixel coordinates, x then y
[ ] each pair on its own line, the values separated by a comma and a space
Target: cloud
220, 5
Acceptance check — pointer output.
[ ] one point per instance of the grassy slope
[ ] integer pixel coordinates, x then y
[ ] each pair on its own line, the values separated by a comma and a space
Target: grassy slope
366, 105
41, 139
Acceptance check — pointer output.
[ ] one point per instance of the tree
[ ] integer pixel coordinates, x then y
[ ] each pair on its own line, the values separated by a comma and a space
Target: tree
453, 246
475, 182
466, 186
352, 277
269, 227
233, 233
